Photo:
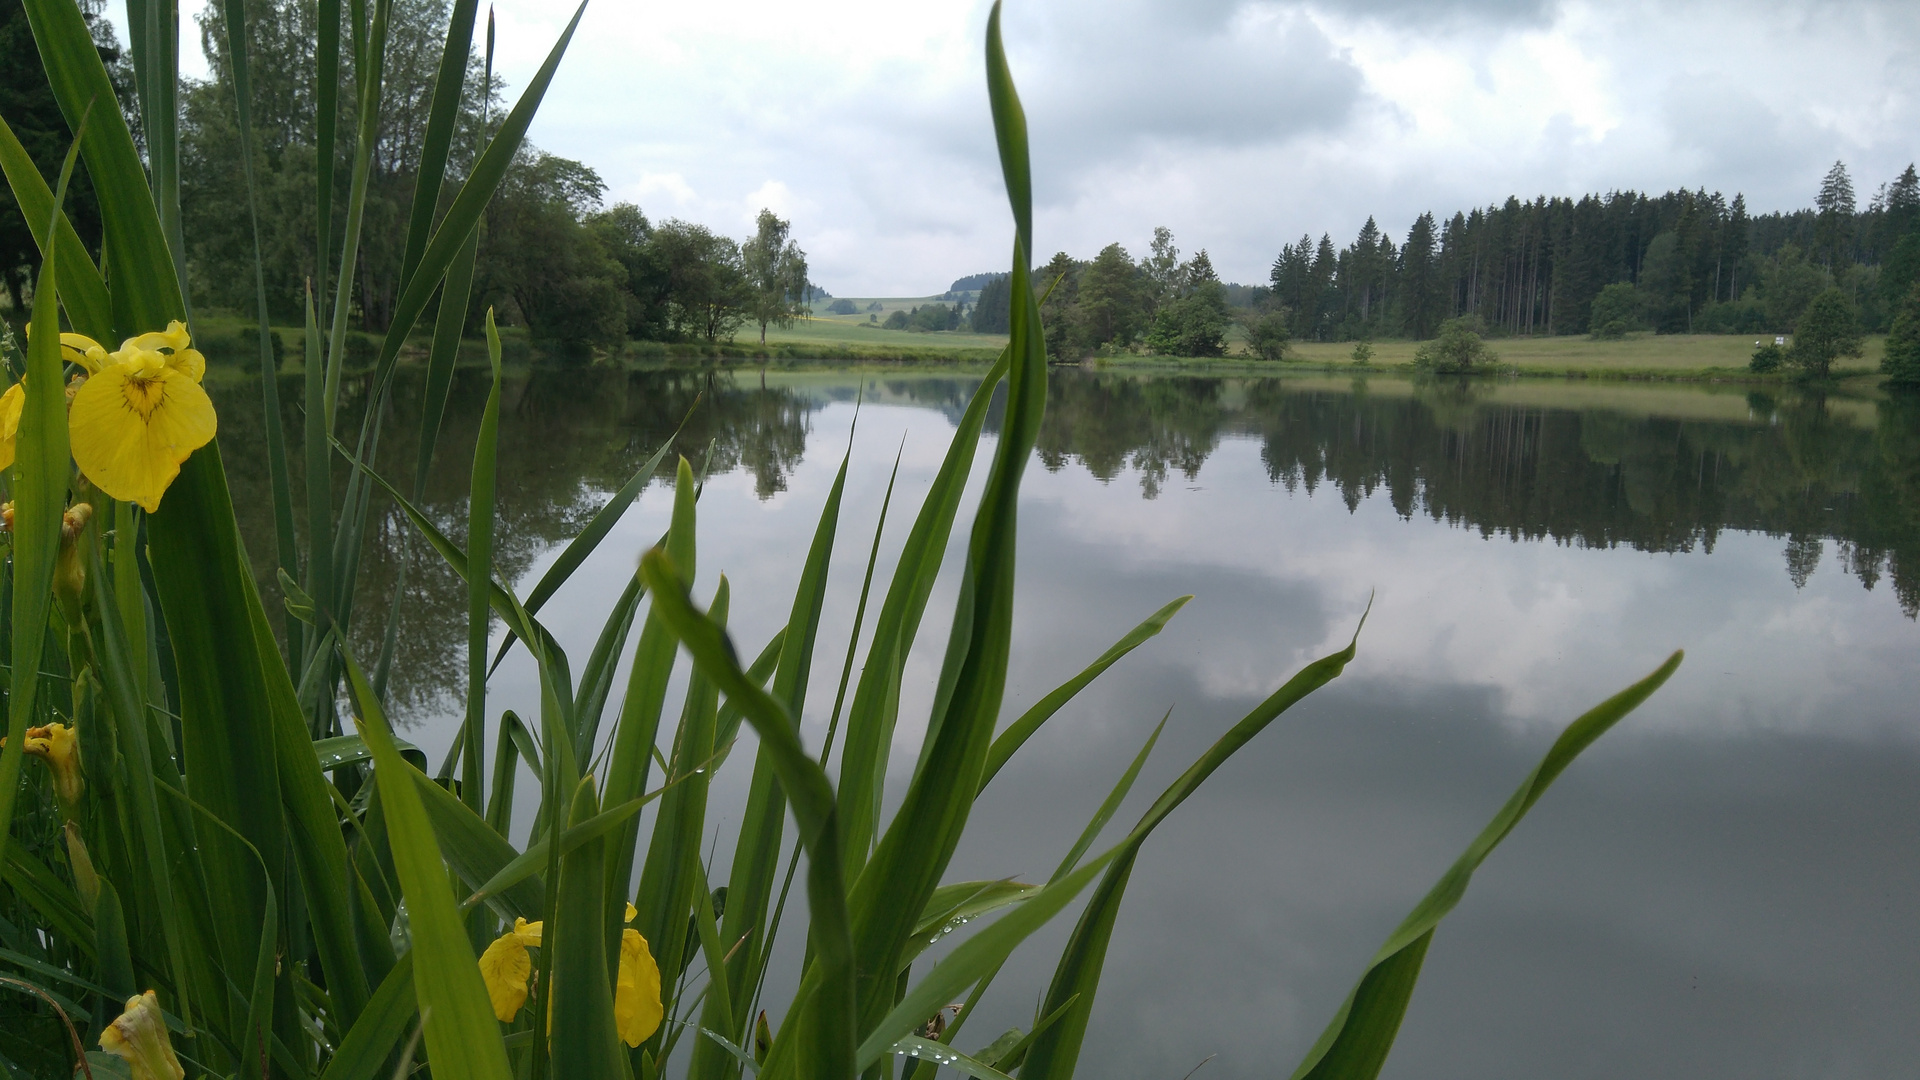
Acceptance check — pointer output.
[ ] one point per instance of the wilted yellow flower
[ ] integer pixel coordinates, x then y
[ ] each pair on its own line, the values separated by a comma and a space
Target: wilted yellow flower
59, 746
636, 999
637, 1011
139, 1037
505, 968
12, 403
139, 415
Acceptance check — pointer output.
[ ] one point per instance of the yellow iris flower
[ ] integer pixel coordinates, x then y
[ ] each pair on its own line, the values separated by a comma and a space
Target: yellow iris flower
59, 746
139, 414
139, 1037
505, 968
133, 417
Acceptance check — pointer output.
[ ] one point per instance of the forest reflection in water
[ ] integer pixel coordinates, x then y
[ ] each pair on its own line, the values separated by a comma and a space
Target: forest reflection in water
1723, 886
1591, 465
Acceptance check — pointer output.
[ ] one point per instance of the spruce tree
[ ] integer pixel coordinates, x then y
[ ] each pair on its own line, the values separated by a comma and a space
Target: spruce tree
1833, 223
1901, 364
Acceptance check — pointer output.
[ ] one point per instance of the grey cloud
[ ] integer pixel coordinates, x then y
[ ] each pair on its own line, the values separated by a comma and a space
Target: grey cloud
1219, 74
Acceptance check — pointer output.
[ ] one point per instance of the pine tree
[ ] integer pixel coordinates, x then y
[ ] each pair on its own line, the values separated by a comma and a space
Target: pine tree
1419, 281
1734, 250
1833, 223
1901, 364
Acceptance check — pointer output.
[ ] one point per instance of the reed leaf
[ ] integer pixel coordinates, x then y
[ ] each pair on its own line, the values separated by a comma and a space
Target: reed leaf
1018, 732
462, 1036
83, 293
39, 501
1056, 1053
585, 1043
1356, 1042
235, 26
827, 1052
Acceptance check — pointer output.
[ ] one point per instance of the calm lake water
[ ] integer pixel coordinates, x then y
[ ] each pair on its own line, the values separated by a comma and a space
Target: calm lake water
1728, 884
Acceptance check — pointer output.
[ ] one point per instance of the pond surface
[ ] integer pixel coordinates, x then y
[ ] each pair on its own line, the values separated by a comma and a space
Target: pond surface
1728, 884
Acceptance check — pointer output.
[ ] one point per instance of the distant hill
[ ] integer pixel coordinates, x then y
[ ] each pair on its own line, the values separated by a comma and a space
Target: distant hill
974, 282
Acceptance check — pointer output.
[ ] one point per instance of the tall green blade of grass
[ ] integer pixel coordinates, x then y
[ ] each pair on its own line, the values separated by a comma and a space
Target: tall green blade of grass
319, 470
638, 727
129, 711
756, 857
584, 1041
39, 500
442, 355
442, 116
236, 31
326, 121
824, 1048
876, 698
671, 874
1018, 732
464, 214
1355, 1044
154, 29
83, 294
588, 539
363, 1051
313, 833
367, 69
463, 1038
480, 557
146, 291
987, 901
913, 853
1055, 1053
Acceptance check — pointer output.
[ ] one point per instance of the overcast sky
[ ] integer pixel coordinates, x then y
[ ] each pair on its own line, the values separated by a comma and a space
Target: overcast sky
1239, 124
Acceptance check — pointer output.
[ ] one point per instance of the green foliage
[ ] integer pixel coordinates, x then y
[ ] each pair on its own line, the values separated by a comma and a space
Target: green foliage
1363, 353
707, 287
1767, 358
558, 271
934, 318
1459, 348
1268, 334
1790, 282
842, 306
628, 238
1901, 363
1746, 315
1616, 309
776, 274
897, 319
1192, 325
1828, 329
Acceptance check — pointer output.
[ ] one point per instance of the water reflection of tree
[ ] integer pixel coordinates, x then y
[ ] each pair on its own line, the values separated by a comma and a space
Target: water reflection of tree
1110, 423
568, 439
1592, 477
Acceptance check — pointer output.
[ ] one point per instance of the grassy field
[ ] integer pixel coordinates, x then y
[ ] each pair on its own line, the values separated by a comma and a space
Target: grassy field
228, 342
1636, 356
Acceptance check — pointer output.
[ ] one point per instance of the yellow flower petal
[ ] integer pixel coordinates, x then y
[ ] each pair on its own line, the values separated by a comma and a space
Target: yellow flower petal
632, 913
505, 967
132, 425
636, 1000
528, 933
83, 350
188, 362
139, 1037
12, 403
173, 337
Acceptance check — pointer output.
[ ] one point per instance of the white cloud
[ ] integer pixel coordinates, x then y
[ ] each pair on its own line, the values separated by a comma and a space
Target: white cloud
1240, 124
